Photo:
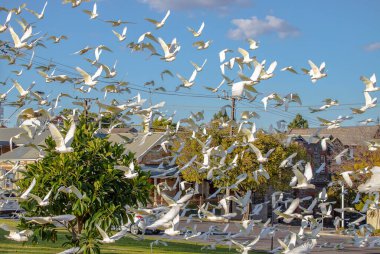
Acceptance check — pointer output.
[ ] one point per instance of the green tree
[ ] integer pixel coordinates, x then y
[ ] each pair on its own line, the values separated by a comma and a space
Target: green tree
106, 119
298, 123
279, 178
91, 169
247, 162
363, 158
160, 124
221, 115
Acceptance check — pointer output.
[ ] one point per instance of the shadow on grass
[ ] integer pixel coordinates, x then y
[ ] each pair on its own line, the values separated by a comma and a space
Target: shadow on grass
124, 245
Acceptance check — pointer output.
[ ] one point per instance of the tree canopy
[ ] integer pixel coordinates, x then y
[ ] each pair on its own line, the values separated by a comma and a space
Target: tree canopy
106, 120
160, 124
298, 123
363, 158
90, 169
246, 160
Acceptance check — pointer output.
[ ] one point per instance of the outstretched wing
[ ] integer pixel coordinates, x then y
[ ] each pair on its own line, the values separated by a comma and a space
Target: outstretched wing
15, 37
314, 68
31, 186
166, 16
164, 46
85, 75
35, 197
57, 136
119, 234
102, 232
70, 134
76, 191
256, 151
301, 179
152, 21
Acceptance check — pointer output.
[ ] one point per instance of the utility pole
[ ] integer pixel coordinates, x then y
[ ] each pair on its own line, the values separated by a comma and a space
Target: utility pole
274, 206
233, 110
150, 97
1, 115
86, 106
86, 109
233, 104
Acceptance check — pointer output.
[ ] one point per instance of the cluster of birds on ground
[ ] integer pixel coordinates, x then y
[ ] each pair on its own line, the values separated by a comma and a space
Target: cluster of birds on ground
39, 118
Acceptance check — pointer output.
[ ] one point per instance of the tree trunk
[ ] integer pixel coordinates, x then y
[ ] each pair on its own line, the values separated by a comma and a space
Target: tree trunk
246, 214
73, 232
80, 224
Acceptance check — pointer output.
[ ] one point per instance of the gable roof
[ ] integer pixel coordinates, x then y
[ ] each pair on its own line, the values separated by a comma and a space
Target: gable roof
118, 130
7, 133
351, 136
26, 153
140, 149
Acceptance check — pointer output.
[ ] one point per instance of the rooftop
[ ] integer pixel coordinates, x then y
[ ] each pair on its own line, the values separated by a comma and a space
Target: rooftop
351, 136
131, 141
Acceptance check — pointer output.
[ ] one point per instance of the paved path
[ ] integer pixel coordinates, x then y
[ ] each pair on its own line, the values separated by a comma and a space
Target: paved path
327, 235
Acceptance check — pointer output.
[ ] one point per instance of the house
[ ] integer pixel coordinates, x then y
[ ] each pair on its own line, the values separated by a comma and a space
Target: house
147, 153
349, 136
18, 150
6, 134
339, 139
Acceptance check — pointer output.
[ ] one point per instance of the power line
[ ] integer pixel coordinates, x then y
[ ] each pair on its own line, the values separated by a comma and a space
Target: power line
139, 87
142, 88
282, 113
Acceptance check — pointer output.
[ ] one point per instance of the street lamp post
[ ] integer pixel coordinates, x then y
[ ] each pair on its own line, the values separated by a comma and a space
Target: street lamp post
342, 205
274, 206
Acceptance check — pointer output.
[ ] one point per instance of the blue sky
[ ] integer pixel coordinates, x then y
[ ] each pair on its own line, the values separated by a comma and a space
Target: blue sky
344, 34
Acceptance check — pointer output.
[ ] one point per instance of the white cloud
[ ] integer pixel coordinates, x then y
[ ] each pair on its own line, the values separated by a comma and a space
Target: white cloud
219, 5
373, 46
253, 27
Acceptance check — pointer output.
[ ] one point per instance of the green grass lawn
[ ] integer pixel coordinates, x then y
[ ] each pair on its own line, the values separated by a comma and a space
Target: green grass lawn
124, 245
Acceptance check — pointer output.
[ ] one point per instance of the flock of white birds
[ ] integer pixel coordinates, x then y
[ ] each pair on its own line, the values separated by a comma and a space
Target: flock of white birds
34, 120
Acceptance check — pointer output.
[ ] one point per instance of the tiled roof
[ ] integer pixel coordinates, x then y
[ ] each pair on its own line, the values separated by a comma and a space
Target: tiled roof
25, 153
140, 149
355, 135
120, 130
7, 133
